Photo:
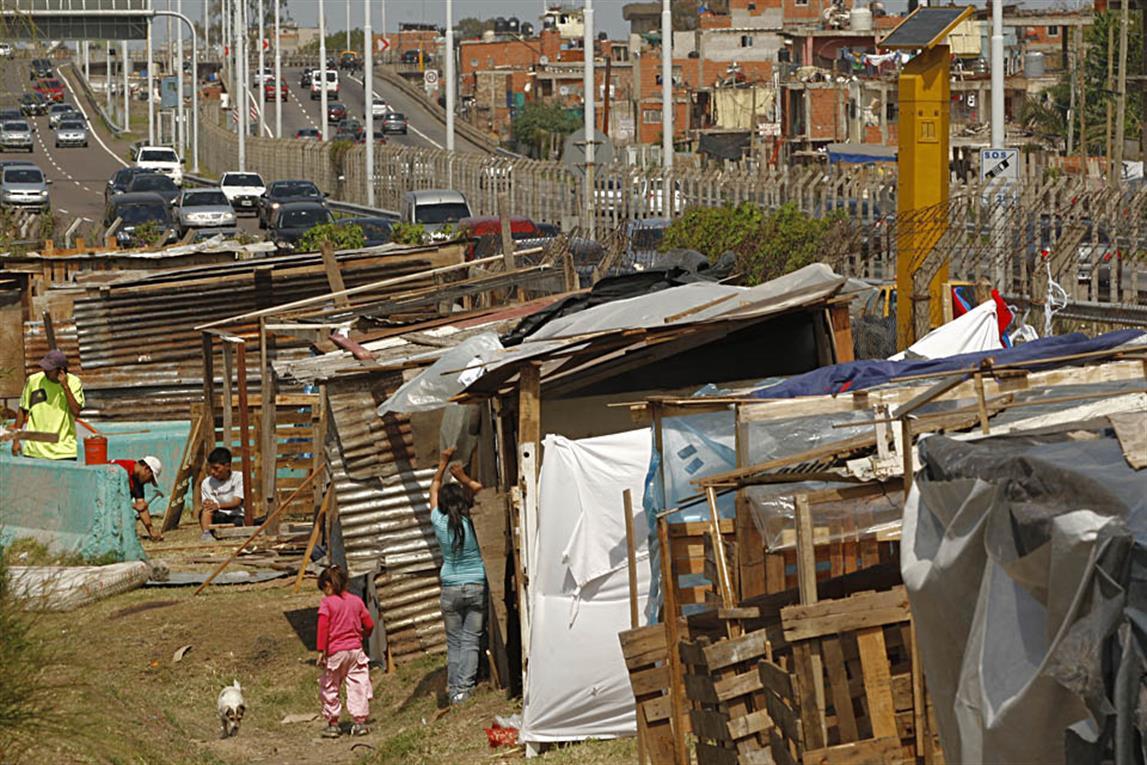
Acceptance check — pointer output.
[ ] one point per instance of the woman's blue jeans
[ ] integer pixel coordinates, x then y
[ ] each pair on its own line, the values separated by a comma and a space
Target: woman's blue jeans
464, 612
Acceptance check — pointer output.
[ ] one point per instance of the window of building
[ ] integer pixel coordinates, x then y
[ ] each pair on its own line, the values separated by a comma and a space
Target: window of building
651, 116
746, 41
1053, 31
800, 2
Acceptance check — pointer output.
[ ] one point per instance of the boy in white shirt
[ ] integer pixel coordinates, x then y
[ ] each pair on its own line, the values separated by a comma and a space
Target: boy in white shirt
222, 493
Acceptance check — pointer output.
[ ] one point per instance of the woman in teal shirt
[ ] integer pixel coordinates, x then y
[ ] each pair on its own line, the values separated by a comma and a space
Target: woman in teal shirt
463, 576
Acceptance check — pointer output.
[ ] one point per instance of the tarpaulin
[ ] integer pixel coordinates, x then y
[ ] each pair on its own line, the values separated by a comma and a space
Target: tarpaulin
858, 375
1024, 562
445, 378
975, 330
577, 686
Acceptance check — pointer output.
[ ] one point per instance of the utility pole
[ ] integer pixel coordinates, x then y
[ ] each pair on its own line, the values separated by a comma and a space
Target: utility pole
666, 86
348, 24
279, 72
206, 35
998, 136
1121, 94
1107, 88
449, 80
125, 65
261, 97
323, 68
108, 76
590, 121
1081, 96
180, 113
150, 79
605, 94
368, 87
240, 78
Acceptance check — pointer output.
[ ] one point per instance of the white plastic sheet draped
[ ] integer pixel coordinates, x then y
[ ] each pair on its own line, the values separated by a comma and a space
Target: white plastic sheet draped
577, 686
977, 330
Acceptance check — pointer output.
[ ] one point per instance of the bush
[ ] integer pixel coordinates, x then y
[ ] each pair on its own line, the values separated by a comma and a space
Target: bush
149, 234
408, 233
766, 244
339, 236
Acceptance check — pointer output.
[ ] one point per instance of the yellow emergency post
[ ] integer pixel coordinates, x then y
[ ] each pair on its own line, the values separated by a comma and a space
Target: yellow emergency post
922, 162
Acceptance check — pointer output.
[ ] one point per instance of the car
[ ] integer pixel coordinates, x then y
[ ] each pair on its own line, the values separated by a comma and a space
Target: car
375, 230
71, 133
412, 56
136, 210
7, 115
199, 208
154, 183
394, 122
294, 219
210, 232
485, 234
5, 50
50, 88
379, 137
378, 107
345, 135
269, 88
16, 134
40, 68
349, 59
119, 181
284, 192
260, 78
162, 159
309, 134
24, 186
435, 209
243, 191
57, 112
336, 111
33, 105
332, 84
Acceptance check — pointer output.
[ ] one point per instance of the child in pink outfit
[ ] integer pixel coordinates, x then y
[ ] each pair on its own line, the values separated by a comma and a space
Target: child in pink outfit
343, 623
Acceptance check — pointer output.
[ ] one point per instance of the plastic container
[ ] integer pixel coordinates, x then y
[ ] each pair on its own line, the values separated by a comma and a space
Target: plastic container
95, 450
860, 20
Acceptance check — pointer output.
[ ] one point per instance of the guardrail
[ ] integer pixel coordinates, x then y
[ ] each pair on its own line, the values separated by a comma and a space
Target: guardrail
94, 102
471, 133
346, 208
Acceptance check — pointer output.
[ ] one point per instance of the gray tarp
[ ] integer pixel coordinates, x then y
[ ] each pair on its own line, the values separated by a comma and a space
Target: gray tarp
1024, 560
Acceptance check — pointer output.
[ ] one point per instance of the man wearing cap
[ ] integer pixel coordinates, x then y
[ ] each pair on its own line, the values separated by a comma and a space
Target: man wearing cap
50, 403
140, 473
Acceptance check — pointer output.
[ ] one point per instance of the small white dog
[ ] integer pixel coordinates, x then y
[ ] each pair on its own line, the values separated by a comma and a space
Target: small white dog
231, 707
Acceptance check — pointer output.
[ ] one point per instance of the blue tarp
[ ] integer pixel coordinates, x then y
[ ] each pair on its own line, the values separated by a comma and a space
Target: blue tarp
860, 153
858, 375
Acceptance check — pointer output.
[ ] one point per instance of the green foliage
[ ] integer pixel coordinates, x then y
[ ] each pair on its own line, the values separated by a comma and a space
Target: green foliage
766, 244
149, 234
408, 233
537, 120
339, 236
471, 27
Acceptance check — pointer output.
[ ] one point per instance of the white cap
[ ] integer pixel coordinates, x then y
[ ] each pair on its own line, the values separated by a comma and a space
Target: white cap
156, 467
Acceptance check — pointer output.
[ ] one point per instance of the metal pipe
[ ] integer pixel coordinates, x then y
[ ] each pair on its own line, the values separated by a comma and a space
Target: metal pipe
278, 73
449, 77
126, 66
348, 24
87, 62
206, 33
323, 68
180, 112
150, 83
590, 121
666, 86
998, 75
194, 89
239, 76
108, 76
368, 96
261, 97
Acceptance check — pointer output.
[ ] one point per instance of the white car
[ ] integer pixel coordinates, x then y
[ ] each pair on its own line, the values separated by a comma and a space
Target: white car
243, 191
5, 50
378, 107
262, 77
162, 160
332, 85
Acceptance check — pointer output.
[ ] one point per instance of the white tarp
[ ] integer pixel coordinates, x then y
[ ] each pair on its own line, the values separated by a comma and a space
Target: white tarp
577, 686
977, 330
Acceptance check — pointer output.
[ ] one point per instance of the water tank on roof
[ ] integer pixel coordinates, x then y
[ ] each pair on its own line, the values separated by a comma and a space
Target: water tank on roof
500, 25
1034, 65
513, 26
488, 35
527, 29
860, 20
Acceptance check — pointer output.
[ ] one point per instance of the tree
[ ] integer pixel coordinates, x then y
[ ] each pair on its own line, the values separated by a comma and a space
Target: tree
537, 120
340, 237
471, 27
766, 244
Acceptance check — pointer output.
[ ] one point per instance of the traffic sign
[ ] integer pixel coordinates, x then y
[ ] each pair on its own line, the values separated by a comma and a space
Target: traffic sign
1000, 164
430, 77
383, 43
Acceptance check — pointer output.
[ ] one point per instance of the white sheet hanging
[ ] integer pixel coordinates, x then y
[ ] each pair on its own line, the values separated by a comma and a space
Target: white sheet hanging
977, 330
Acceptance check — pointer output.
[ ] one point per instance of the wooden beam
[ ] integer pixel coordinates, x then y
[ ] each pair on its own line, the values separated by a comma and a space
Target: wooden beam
245, 435
673, 643
209, 388
268, 441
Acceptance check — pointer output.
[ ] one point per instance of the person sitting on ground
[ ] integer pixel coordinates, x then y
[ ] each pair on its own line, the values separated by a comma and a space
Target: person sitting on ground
221, 492
463, 576
50, 403
140, 473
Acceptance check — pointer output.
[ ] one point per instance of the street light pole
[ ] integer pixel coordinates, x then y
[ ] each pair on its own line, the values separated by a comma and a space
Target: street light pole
368, 96
125, 65
323, 67
449, 76
150, 79
180, 112
588, 87
241, 83
278, 74
261, 98
666, 88
194, 92
348, 24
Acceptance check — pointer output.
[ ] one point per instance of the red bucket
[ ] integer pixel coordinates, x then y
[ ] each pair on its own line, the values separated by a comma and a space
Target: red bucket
95, 450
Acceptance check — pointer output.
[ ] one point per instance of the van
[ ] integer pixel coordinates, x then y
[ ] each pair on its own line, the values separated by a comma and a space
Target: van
332, 84
434, 209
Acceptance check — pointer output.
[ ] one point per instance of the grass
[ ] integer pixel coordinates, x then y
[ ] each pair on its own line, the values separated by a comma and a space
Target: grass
25, 551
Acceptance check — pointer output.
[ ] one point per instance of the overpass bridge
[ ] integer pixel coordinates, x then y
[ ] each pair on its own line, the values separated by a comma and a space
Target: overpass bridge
37, 20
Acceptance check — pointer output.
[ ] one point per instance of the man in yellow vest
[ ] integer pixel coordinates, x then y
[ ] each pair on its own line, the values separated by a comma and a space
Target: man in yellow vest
50, 403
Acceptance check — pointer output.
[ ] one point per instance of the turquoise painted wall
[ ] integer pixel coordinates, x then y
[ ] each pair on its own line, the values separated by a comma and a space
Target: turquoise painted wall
132, 440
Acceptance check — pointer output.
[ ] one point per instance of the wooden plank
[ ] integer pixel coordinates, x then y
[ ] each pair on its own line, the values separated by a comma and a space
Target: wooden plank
714, 755
709, 724
673, 640
738, 685
657, 709
878, 751
784, 717
838, 684
649, 680
830, 617
698, 529
806, 556
775, 679
749, 725
809, 698
919, 697
700, 689
877, 681
734, 651
779, 748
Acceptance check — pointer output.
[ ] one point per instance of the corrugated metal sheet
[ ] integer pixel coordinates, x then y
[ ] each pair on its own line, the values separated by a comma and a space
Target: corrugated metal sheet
370, 446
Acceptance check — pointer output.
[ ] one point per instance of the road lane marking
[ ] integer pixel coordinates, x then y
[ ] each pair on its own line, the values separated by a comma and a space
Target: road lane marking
415, 130
92, 129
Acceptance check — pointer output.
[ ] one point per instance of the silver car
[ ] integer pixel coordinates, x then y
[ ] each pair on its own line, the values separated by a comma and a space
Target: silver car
15, 134
58, 113
24, 186
71, 133
203, 208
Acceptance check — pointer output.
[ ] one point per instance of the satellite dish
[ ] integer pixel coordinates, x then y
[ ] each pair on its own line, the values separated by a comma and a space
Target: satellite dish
564, 90
544, 60
573, 150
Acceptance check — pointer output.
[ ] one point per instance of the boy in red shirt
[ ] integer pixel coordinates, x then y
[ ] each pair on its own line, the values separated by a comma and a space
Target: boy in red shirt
139, 473
343, 623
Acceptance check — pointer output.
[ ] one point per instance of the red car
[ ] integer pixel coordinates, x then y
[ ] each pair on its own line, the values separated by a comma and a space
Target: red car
485, 231
269, 91
50, 89
335, 111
